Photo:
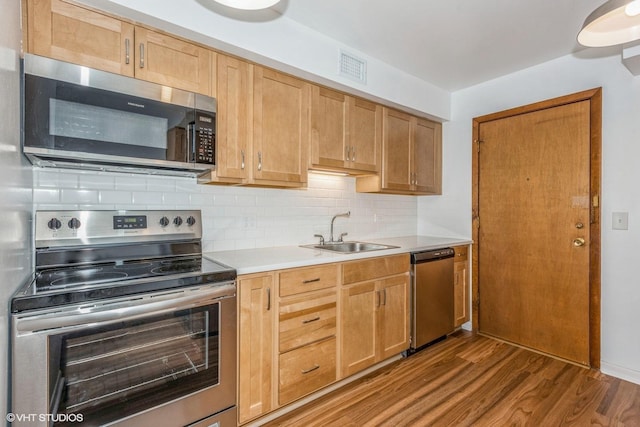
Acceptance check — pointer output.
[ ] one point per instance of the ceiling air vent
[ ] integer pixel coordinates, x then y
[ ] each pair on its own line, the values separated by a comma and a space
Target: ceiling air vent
353, 67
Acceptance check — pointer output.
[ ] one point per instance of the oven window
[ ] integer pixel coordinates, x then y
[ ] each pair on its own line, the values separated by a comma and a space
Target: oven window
108, 373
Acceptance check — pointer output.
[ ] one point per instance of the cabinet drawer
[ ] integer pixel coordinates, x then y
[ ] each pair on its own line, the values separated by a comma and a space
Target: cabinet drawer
461, 253
373, 268
304, 320
306, 369
308, 279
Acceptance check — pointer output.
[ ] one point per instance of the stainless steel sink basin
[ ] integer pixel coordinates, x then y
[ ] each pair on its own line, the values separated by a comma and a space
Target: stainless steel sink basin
350, 247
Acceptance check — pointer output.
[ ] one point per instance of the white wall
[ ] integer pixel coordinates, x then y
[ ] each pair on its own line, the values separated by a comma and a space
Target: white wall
236, 217
281, 43
620, 178
15, 187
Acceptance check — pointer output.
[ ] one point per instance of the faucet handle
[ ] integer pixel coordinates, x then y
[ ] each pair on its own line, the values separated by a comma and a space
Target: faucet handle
321, 238
341, 236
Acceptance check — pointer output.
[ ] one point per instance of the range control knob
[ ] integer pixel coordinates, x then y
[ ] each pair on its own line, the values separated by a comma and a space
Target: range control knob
191, 220
177, 221
164, 221
74, 223
54, 224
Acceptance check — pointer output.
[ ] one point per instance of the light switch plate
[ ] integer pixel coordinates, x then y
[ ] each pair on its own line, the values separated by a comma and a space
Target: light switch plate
620, 220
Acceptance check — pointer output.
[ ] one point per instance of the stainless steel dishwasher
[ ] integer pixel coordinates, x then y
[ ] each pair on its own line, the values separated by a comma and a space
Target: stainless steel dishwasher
431, 296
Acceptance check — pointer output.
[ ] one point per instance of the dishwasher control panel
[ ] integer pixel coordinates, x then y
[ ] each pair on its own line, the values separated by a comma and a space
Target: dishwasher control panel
431, 255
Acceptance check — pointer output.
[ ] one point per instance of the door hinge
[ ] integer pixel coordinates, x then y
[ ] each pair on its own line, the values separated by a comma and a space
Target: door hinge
478, 142
595, 201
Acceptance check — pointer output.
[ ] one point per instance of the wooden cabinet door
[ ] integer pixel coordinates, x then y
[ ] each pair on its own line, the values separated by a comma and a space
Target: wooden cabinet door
397, 151
329, 135
280, 128
393, 315
427, 157
255, 345
169, 61
233, 133
71, 33
365, 135
358, 331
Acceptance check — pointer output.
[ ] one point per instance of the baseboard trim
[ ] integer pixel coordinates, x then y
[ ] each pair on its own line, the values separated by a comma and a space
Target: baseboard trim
620, 372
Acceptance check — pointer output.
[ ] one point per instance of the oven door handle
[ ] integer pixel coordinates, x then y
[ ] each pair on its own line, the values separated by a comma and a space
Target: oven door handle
132, 308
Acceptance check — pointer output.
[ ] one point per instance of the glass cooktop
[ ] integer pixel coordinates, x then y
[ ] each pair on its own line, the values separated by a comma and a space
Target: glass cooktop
69, 285
69, 277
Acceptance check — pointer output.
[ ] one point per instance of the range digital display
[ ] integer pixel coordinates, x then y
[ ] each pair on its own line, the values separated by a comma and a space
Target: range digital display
129, 221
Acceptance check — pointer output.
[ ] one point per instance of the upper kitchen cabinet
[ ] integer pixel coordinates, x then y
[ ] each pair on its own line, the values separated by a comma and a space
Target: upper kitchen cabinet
280, 129
427, 157
411, 157
263, 127
345, 133
233, 118
172, 62
60, 30
71, 33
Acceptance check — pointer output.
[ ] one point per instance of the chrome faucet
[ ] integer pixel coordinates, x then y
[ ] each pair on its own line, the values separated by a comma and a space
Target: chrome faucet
346, 215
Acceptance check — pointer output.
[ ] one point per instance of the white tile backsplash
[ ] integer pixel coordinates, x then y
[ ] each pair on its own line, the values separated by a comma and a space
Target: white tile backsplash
236, 217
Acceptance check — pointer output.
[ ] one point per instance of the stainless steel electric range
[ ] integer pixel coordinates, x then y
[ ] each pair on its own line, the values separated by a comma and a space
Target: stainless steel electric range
125, 322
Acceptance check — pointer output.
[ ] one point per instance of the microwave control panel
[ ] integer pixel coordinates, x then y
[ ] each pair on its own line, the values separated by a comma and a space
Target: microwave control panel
205, 138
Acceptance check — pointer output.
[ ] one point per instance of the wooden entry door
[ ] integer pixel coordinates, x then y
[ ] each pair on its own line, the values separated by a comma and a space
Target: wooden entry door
536, 211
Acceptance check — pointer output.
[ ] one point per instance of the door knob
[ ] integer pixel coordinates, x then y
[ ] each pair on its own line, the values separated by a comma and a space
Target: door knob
578, 242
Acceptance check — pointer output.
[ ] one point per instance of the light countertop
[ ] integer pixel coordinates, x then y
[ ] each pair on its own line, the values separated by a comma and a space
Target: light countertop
247, 261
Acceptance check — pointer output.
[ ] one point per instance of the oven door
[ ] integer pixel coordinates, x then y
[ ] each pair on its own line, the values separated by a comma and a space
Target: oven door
159, 359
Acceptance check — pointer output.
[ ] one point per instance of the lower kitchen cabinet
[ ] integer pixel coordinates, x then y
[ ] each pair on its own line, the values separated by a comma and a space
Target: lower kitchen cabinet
306, 369
307, 324
461, 304
256, 327
303, 329
374, 313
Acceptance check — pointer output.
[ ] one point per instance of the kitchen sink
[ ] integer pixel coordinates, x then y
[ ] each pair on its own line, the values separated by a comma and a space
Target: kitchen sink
350, 247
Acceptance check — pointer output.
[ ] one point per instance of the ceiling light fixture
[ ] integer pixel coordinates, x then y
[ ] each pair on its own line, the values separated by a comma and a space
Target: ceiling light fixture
615, 22
248, 4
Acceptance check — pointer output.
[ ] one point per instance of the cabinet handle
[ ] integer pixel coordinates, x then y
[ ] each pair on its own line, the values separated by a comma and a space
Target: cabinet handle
306, 371
315, 319
348, 152
268, 299
317, 279
127, 56
384, 297
259, 161
242, 164
378, 298
353, 154
141, 55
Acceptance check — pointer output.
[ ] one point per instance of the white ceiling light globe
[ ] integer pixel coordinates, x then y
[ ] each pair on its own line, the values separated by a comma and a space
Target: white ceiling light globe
248, 4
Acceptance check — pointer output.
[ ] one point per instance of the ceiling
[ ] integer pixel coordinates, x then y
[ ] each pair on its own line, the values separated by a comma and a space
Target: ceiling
452, 44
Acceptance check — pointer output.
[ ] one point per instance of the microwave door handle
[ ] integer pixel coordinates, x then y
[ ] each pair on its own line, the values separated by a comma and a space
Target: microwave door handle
191, 143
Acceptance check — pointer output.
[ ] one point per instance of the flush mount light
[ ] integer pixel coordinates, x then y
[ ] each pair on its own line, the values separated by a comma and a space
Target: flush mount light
615, 22
248, 4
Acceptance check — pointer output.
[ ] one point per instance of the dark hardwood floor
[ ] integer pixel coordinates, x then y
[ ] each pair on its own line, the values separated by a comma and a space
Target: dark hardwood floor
470, 380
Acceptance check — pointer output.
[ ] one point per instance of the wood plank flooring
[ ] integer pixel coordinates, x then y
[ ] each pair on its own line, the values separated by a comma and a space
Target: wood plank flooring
471, 380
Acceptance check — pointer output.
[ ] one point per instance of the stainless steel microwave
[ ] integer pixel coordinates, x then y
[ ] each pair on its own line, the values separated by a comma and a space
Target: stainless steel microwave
81, 118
